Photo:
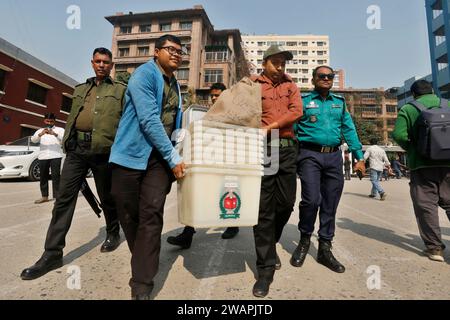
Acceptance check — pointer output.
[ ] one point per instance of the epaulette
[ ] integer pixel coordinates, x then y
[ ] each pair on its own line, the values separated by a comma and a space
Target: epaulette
338, 96
120, 82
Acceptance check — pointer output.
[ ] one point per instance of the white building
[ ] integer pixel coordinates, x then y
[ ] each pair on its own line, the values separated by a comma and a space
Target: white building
309, 52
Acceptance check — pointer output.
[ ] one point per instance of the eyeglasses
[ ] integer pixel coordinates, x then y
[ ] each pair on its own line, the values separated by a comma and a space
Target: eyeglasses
174, 51
323, 76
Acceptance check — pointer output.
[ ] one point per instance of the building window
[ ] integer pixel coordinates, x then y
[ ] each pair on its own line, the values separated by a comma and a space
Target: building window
2, 80
291, 70
217, 56
66, 105
261, 43
260, 61
304, 80
125, 29
304, 53
291, 43
391, 109
186, 25
259, 71
305, 71
143, 51
165, 27
304, 61
36, 93
145, 28
124, 52
260, 52
294, 52
213, 75
304, 43
183, 74
320, 43
321, 62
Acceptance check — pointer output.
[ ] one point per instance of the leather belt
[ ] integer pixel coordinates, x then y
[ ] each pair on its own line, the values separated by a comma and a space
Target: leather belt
318, 148
282, 143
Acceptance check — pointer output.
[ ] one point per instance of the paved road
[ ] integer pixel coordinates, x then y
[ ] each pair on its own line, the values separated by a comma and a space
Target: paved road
373, 237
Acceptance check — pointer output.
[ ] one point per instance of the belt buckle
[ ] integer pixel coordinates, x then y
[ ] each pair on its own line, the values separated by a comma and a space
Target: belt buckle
326, 149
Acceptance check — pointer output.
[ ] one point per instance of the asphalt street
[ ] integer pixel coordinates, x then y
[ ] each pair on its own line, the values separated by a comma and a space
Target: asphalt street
377, 241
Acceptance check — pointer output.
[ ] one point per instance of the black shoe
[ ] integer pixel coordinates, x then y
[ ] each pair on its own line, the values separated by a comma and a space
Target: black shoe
300, 253
41, 267
111, 243
183, 240
230, 233
144, 296
278, 263
262, 284
326, 258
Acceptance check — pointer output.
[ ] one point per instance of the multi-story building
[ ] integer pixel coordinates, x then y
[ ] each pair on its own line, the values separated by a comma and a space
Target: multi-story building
29, 88
309, 52
211, 55
339, 80
404, 94
438, 16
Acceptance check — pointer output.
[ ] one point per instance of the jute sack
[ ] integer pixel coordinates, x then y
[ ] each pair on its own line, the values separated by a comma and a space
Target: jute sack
240, 105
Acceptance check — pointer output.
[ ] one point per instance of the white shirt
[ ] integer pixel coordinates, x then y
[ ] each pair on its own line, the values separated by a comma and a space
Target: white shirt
377, 158
50, 145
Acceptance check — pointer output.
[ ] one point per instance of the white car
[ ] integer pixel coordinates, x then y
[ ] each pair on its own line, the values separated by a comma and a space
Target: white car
19, 159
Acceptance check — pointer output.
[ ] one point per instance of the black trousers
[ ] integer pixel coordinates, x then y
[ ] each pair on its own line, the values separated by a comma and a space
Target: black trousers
140, 198
276, 204
429, 189
44, 166
322, 182
74, 171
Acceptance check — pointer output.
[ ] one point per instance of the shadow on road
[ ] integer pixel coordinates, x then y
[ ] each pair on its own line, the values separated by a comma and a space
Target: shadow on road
212, 256
85, 248
410, 242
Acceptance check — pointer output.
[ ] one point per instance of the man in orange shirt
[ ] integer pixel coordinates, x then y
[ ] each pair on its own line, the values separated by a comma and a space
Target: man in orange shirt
281, 108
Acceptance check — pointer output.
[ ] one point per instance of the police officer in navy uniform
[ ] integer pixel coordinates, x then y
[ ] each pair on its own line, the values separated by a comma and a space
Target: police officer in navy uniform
319, 165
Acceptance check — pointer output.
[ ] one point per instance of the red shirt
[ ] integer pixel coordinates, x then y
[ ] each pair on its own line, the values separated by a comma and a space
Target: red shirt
281, 102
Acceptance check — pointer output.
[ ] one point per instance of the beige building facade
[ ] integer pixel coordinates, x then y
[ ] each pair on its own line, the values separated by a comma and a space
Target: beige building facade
211, 55
309, 51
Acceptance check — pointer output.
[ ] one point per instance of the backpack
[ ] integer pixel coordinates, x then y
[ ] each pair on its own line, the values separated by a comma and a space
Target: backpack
433, 135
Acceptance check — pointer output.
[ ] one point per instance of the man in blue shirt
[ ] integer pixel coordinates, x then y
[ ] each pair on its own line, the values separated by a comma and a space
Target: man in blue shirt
145, 160
319, 165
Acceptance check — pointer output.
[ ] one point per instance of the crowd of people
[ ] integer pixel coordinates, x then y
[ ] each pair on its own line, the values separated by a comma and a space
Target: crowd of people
123, 133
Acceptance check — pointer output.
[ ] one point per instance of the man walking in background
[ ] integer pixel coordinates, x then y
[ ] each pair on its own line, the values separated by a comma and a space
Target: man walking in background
378, 161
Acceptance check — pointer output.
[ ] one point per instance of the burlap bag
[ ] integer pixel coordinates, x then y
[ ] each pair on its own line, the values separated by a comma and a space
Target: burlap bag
240, 105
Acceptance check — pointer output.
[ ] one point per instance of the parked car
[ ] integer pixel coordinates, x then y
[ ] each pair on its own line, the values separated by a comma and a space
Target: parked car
19, 159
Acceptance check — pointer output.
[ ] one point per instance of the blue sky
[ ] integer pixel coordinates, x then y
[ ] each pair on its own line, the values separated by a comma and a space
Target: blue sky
371, 58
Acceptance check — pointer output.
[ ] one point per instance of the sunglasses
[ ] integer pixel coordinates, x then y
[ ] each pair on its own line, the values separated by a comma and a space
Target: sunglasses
174, 51
323, 76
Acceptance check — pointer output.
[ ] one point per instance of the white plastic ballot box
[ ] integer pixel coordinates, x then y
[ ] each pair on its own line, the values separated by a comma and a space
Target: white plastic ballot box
222, 184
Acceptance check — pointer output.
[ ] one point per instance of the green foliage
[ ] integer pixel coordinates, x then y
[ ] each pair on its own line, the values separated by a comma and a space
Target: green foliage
367, 130
123, 77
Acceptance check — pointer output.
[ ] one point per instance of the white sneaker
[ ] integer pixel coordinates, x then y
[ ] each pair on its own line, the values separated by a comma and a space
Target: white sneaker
435, 254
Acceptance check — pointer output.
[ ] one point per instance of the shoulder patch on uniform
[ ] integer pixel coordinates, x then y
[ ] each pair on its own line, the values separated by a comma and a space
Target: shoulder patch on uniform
120, 82
338, 96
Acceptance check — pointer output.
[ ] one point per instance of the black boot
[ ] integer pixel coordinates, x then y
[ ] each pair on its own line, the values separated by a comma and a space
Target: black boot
262, 285
44, 265
325, 257
300, 253
230, 232
111, 243
184, 239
